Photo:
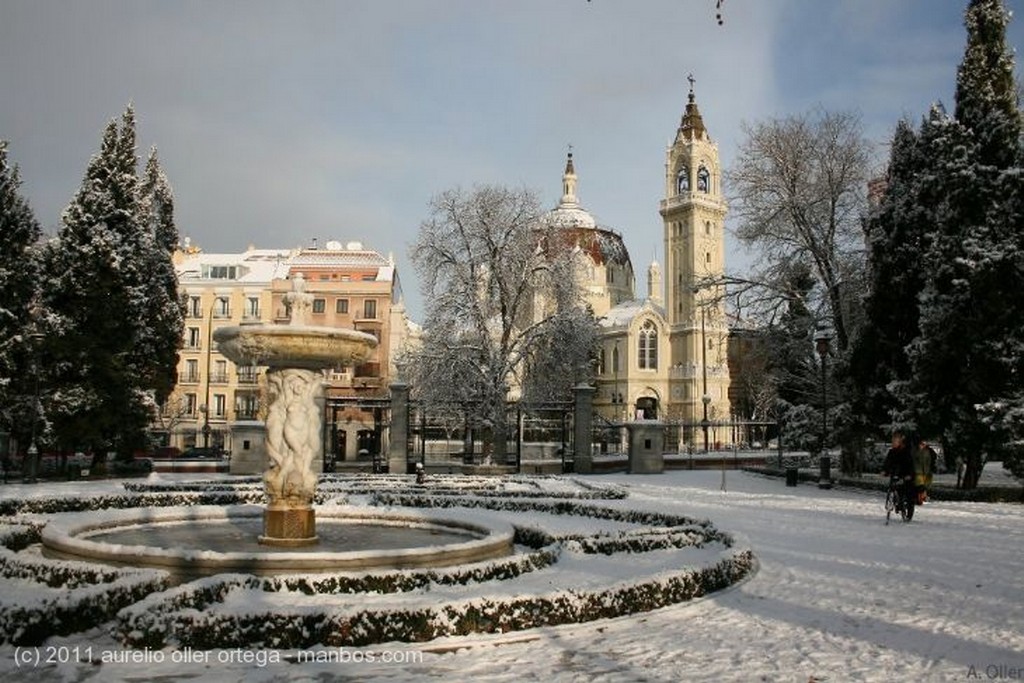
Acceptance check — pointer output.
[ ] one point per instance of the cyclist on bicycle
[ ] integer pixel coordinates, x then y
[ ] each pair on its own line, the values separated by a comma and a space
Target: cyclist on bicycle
899, 464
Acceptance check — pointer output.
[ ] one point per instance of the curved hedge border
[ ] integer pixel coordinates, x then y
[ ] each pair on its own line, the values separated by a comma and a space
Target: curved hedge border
177, 618
94, 594
190, 628
145, 613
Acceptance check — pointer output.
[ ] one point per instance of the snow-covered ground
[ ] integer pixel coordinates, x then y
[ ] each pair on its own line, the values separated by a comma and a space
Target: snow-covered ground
838, 596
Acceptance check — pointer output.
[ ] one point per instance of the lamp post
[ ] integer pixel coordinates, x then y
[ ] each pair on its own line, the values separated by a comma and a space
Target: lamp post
822, 342
706, 397
209, 354
33, 449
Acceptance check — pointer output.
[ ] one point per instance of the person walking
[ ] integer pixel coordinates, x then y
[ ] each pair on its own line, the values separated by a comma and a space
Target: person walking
924, 468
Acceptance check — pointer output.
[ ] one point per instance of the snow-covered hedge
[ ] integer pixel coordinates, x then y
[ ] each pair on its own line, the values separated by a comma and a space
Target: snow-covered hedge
187, 616
63, 597
11, 506
660, 521
188, 626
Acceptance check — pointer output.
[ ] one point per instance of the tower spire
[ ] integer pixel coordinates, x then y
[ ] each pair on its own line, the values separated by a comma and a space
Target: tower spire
692, 124
569, 182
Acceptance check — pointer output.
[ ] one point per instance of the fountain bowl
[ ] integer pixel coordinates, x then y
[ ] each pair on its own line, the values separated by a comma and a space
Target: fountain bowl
435, 541
292, 346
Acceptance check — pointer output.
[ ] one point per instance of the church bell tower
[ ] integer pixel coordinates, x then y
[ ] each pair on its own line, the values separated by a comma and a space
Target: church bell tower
693, 213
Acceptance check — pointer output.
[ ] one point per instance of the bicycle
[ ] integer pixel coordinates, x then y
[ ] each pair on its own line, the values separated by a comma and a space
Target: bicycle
896, 500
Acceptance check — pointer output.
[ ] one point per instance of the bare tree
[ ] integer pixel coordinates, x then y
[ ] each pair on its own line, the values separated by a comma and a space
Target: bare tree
799, 189
498, 285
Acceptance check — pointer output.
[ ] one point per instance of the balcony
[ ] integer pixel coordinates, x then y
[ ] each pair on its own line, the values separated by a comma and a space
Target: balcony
188, 378
219, 378
698, 198
249, 377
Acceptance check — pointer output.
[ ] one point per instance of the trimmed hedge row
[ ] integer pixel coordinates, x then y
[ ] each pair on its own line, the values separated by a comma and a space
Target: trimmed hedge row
11, 507
639, 517
92, 594
985, 494
192, 628
372, 484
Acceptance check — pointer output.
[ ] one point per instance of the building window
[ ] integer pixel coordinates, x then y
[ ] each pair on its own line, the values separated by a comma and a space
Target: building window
600, 362
707, 257
190, 404
219, 403
615, 358
195, 307
319, 305
683, 181
341, 306
220, 372
221, 272
247, 406
221, 307
252, 308
193, 337
191, 370
707, 227
647, 357
370, 309
703, 180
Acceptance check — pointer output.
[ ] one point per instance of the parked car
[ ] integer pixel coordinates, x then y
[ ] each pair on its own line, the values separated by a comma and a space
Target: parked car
203, 453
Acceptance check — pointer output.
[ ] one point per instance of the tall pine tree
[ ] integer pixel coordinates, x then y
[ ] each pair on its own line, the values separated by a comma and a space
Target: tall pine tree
878, 361
163, 306
110, 307
966, 364
19, 235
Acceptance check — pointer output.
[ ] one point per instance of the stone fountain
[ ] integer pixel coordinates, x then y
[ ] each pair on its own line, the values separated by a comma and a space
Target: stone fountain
295, 355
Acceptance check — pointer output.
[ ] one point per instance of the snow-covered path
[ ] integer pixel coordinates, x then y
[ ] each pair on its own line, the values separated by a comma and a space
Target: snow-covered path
838, 596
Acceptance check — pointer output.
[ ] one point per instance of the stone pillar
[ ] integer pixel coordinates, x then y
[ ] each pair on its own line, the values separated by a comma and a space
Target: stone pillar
646, 443
398, 443
583, 432
251, 460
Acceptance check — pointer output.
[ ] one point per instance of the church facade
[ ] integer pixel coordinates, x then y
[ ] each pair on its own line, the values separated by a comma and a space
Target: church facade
663, 355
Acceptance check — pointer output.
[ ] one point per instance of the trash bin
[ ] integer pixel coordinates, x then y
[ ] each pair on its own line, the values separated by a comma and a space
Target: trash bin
792, 476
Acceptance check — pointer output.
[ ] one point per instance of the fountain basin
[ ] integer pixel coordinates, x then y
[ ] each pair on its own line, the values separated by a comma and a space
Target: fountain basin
292, 346
204, 540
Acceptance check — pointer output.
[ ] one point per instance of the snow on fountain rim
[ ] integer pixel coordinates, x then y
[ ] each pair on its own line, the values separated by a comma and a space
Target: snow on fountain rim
64, 533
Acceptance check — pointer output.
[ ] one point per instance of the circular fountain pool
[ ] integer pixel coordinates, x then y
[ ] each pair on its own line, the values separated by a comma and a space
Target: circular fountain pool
197, 541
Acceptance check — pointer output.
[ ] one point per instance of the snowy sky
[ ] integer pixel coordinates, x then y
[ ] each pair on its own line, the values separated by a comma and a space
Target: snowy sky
282, 122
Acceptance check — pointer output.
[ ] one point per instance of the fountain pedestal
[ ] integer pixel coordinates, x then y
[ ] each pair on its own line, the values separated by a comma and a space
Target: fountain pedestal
295, 354
289, 526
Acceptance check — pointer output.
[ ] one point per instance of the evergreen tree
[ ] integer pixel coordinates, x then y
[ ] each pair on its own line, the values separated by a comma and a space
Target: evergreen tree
896, 232
19, 234
966, 364
114, 314
164, 307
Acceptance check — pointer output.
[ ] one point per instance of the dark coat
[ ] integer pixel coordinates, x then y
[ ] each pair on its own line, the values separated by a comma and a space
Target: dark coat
899, 462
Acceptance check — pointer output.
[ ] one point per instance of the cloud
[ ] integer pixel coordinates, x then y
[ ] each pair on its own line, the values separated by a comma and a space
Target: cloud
279, 122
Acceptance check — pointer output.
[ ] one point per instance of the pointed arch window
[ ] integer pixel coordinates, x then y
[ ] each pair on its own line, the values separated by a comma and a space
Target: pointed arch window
648, 347
703, 180
683, 181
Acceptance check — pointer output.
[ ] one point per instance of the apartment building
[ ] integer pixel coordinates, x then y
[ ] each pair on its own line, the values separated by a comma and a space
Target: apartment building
219, 405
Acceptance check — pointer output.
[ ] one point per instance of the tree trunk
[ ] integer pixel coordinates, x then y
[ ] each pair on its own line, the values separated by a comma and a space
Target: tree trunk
972, 471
